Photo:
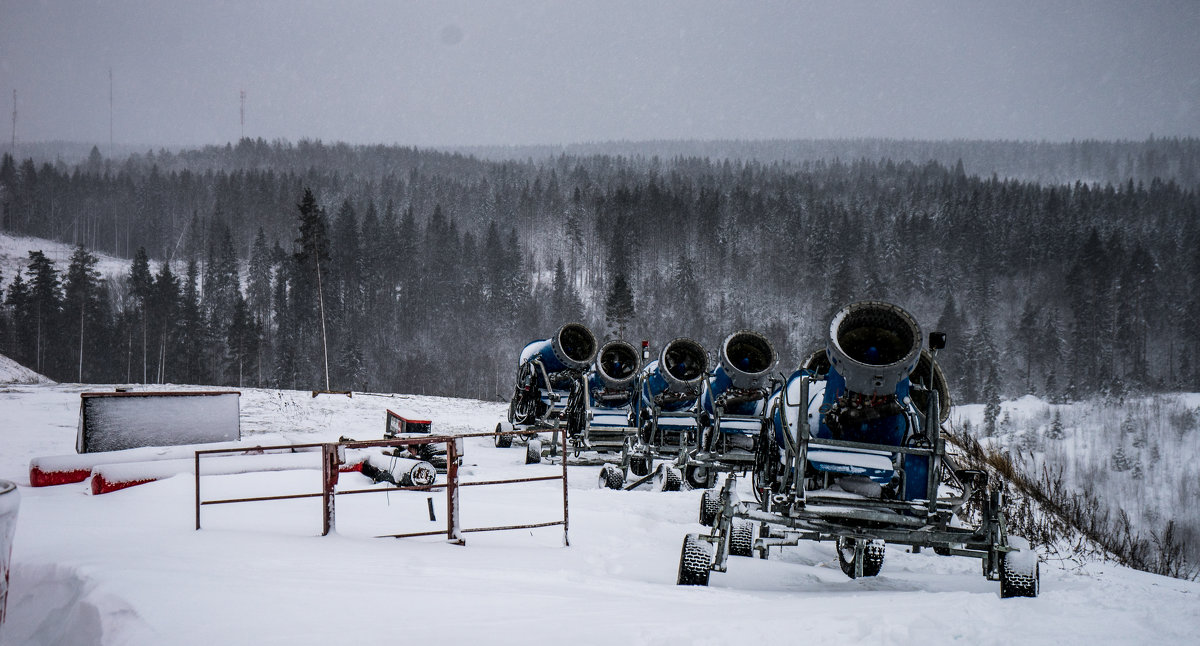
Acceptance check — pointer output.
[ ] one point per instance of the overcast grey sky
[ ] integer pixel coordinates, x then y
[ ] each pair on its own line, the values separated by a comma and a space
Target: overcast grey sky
542, 72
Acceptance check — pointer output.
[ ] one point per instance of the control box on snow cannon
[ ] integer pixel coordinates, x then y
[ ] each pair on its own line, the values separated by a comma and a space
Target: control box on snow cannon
112, 421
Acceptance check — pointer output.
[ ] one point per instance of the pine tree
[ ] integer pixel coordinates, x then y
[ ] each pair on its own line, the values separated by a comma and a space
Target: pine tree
45, 303
24, 326
82, 299
1055, 432
991, 408
618, 307
259, 278
163, 309
141, 284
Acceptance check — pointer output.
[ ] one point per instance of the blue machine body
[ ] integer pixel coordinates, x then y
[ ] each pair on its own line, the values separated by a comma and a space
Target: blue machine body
889, 430
654, 384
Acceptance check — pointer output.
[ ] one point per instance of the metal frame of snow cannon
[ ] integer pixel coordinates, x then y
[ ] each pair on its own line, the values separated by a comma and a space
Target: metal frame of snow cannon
601, 416
670, 417
736, 409
789, 507
548, 371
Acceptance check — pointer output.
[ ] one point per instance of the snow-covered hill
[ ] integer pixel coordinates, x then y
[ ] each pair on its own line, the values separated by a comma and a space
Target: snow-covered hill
128, 568
12, 372
14, 256
1136, 455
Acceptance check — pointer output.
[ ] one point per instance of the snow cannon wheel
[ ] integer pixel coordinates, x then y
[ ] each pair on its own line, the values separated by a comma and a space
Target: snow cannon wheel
694, 561
668, 478
502, 441
741, 538
710, 504
699, 476
533, 452
611, 477
873, 553
1020, 573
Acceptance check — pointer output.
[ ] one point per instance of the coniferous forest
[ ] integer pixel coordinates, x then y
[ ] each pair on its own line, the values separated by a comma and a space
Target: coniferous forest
434, 268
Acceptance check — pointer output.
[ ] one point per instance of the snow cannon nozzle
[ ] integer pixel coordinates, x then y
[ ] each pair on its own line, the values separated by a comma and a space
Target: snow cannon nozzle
617, 364
683, 364
873, 345
747, 358
574, 345
571, 348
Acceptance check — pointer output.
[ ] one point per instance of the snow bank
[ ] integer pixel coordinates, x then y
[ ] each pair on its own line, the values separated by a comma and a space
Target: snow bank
65, 469
12, 372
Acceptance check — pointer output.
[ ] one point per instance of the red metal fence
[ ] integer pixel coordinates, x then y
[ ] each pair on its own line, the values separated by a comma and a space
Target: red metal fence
332, 456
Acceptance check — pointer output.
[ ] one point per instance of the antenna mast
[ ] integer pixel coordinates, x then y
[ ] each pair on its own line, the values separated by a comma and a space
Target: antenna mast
243, 114
14, 132
110, 114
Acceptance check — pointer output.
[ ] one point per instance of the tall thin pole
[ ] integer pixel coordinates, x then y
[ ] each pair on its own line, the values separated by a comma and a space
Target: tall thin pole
324, 342
243, 133
110, 113
14, 132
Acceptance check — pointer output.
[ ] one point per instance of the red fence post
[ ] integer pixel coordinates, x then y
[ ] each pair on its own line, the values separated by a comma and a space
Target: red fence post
328, 480
453, 526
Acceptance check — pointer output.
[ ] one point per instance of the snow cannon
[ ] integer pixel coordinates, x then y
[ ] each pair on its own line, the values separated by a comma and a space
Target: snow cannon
617, 365
571, 348
674, 380
744, 373
599, 417
547, 372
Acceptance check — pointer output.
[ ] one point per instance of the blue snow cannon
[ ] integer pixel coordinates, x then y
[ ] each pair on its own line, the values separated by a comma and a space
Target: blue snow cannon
547, 371
601, 416
859, 391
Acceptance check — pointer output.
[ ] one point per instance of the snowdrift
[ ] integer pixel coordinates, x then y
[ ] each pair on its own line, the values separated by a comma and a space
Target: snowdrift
12, 373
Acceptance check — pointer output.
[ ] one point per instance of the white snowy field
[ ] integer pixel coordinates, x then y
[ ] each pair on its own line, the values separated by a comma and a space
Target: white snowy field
128, 568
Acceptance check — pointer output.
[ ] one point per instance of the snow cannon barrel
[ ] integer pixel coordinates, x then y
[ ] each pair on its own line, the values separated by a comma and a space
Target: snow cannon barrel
680, 368
873, 346
571, 348
747, 358
617, 364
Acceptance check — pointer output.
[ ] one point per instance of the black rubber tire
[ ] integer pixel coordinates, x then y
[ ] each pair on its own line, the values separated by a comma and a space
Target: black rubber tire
640, 465
694, 561
611, 477
533, 451
699, 476
668, 479
1017, 579
710, 503
741, 538
873, 554
502, 441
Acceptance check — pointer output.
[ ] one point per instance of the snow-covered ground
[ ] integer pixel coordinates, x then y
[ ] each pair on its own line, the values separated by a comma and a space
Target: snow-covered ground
14, 256
128, 567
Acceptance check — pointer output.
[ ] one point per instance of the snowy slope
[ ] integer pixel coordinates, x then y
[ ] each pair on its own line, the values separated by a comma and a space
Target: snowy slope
127, 567
12, 372
14, 256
